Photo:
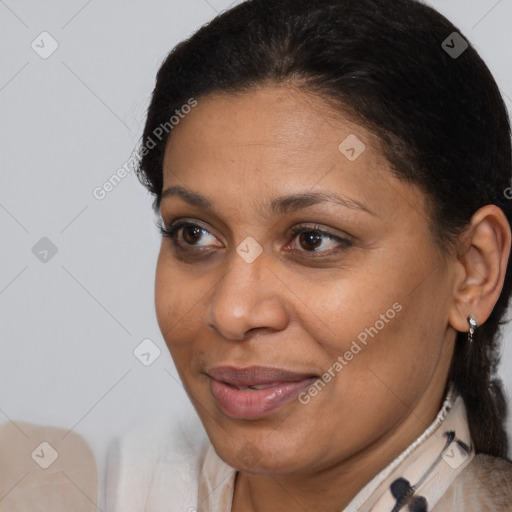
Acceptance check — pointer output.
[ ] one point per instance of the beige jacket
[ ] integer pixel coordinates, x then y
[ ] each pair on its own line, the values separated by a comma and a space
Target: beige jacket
45, 469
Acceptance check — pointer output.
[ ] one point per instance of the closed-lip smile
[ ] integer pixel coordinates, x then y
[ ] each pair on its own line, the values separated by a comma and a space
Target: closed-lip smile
255, 391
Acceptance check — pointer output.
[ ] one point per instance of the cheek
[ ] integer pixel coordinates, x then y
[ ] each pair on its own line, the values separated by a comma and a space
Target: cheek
181, 306
174, 298
359, 303
392, 347
165, 296
387, 322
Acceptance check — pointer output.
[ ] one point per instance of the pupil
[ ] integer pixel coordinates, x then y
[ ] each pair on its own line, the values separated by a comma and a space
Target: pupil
311, 238
195, 236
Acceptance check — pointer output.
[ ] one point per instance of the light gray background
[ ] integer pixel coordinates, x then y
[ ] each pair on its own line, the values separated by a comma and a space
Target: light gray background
68, 122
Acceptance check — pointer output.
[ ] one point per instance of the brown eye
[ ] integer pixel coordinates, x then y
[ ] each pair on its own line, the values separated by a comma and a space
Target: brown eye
192, 234
310, 240
188, 234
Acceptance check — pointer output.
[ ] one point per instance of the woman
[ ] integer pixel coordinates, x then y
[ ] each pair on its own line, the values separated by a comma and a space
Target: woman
331, 179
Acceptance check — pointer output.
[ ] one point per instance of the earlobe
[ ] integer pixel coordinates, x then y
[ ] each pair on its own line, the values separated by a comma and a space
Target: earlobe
481, 267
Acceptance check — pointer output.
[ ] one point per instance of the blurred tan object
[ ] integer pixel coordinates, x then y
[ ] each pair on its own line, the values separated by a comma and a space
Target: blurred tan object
45, 469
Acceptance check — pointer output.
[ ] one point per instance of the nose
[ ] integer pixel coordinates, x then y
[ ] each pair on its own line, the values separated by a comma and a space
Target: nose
247, 298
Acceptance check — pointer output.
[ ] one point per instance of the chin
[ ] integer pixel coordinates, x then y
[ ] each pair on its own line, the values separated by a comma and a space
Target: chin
260, 458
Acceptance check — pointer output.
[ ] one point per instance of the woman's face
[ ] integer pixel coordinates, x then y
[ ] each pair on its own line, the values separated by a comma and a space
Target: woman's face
343, 327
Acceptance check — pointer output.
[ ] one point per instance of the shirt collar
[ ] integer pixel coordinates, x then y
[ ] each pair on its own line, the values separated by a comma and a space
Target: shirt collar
415, 480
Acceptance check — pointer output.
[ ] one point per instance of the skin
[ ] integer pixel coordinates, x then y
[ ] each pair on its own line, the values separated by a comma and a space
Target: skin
291, 310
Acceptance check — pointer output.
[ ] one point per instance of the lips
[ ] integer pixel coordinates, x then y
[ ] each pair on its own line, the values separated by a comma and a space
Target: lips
256, 391
255, 375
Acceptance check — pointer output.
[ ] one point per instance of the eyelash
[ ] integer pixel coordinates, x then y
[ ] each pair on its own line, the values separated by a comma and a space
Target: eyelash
344, 242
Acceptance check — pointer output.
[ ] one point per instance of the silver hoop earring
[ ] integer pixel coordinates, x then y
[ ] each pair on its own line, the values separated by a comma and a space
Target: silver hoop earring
472, 327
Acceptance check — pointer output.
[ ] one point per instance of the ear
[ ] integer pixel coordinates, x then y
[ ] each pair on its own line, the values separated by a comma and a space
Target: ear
481, 266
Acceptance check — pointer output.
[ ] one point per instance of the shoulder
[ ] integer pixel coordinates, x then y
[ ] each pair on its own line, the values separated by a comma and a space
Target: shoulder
156, 467
41, 467
485, 484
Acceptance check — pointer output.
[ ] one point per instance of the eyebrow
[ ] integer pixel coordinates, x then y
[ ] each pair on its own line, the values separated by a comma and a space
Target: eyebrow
278, 206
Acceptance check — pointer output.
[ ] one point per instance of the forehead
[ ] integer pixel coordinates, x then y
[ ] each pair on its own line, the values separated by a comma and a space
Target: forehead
274, 116
275, 139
